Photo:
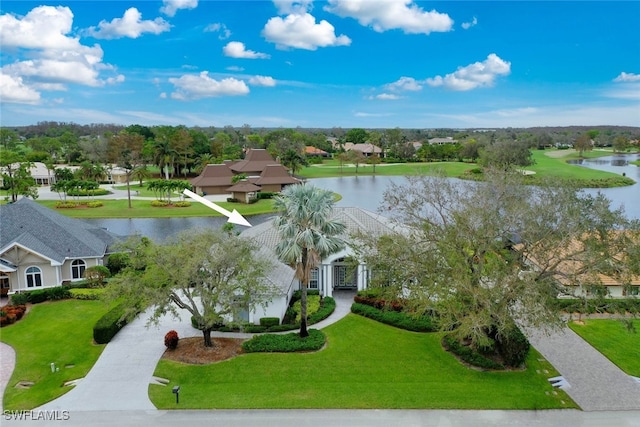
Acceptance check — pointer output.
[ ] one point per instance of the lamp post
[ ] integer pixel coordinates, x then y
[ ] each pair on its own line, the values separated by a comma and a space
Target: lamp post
176, 391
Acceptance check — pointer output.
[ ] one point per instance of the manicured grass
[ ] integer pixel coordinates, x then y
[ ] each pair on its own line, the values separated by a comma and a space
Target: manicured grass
59, 332
559, 168
331, 168
635, 162
364, 365
142, 191
143, 209
614, 340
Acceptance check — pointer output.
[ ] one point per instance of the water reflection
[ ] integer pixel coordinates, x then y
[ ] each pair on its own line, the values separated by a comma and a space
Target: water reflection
367, 192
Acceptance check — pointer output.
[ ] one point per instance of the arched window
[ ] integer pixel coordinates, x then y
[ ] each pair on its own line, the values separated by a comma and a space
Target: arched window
77, 269
34, 277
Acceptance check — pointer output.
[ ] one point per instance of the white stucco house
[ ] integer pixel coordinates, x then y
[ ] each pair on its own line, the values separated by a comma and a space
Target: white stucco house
337, 272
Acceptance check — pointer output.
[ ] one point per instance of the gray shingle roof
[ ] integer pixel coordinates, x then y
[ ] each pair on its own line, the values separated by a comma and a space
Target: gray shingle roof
49, 233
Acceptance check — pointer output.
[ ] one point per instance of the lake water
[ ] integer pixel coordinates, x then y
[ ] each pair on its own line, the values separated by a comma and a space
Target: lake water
366, 192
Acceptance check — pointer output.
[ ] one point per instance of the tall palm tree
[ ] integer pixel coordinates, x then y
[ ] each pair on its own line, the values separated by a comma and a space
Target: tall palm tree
307, 234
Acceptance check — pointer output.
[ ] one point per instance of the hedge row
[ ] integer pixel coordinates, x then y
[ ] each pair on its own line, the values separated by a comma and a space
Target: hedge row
108, 325
285, 343
40, 295
631, 305
394, 318
468, 354
380, 303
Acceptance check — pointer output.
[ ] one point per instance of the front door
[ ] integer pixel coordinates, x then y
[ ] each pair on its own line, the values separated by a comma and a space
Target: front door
344, 276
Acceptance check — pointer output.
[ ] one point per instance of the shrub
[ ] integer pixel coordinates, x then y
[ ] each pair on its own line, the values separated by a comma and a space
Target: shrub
183, 204
83, 193
468, 354
313, 305
252, 200
65, 205
269, 321
327, 306
117, 261
265, 195
513, 347
36, 297
108, 325
232, 200
11, 314
171, 340
394, 318
254, 329
159, 203
282, 328
86, 294
95, 204
285, 343
57, 293
96, 275
19, 299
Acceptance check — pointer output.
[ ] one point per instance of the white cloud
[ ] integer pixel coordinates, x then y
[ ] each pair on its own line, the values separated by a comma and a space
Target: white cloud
234, 68
467, 25
217, 27
170, 7
130, 25
197, 86
478, 74
54, 57
363, 114
627, 77
302, 32
630, 90
286, 7
12, 89
386, 15
262, 81
238, 50
386, 97
404, 84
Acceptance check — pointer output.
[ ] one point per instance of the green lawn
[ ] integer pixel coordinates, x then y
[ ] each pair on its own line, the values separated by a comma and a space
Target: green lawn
59, 332
611, 338
142, 191
364, 365
331, 168
143, 209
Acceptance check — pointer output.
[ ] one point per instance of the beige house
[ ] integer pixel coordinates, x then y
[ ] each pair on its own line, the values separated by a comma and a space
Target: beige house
40, 248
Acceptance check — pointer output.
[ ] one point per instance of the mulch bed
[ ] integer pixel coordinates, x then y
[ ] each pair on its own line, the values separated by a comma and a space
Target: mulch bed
193, 351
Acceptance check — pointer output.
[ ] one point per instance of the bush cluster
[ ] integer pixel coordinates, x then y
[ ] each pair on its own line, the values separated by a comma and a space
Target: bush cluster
65, 205
171, 340
232, 200
468, 354
182, 204
265, 195
41, 295
631, 305
285, 343
394, 318
95, 204
117, 261
327, 306
11, 313
269, 321
83, 193
380, 303
85, 294
108, 325
159, 203
513, 347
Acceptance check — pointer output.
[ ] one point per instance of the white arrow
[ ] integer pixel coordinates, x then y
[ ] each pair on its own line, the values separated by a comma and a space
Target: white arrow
234, 217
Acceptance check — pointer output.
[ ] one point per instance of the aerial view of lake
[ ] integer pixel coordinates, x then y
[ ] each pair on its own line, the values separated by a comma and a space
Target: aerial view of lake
366, 192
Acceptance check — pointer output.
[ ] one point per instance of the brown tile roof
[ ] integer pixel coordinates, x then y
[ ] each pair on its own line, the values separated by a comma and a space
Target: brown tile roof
213, 175
276, 174
313, 150
255, 161
243, 187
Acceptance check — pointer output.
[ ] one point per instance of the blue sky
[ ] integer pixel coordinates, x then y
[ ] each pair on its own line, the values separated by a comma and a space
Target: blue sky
336, 63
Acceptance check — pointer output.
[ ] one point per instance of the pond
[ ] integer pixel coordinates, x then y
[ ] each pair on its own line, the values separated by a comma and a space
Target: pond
366, 192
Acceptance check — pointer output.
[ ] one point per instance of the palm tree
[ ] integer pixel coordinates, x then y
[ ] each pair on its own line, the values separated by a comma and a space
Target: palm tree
141, 173
293, 160
307, 234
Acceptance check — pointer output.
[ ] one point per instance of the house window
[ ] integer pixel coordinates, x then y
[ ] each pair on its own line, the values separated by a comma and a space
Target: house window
634, 290
313, 279
34, 277
77, 269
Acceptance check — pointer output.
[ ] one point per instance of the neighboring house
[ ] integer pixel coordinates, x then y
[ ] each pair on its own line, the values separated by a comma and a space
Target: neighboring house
116, 175
311, 151
40, 248
39, 172
243, 191
367, 149
575, 282
260, 169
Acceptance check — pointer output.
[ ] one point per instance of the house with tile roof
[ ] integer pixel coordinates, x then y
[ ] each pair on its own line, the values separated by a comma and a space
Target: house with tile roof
258, 168
337, 271
39, 248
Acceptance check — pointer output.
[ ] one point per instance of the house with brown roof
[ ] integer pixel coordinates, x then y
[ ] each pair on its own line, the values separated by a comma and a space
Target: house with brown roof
312, 151
367, 149
214, 179
261, 171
